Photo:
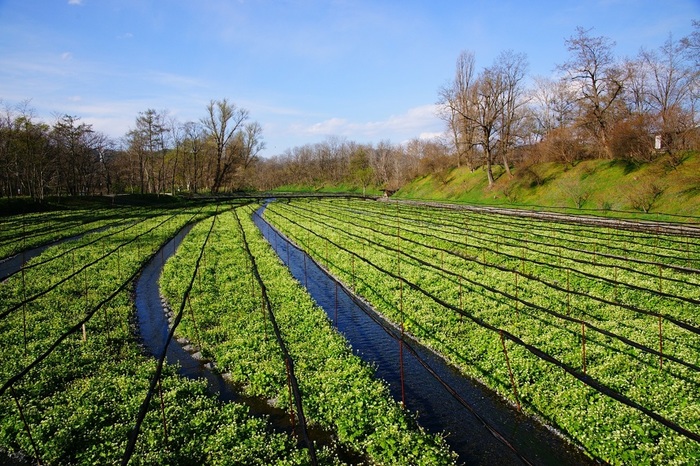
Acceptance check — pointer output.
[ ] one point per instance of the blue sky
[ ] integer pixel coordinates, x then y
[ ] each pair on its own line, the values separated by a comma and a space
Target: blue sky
305, 69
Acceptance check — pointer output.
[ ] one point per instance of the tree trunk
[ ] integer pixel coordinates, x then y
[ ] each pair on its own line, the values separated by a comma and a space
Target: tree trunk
489, 171
506, 165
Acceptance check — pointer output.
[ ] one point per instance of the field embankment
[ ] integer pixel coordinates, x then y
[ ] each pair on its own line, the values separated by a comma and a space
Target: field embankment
665, 186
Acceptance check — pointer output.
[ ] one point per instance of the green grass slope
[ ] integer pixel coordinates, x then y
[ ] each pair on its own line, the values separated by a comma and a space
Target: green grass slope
663, 189
329, 189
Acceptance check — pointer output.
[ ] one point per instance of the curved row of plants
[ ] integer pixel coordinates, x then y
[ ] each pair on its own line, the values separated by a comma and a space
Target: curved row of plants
70, 394
226, 318
629, 282
598, 241
21, 232
621, 334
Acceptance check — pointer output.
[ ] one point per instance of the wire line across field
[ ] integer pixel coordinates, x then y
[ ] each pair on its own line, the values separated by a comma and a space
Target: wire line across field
619, 330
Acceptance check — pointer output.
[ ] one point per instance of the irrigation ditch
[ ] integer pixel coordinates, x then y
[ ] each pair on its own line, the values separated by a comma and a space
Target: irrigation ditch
154, 319
479, 426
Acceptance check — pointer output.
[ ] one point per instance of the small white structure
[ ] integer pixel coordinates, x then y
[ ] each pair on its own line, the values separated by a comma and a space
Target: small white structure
657, 142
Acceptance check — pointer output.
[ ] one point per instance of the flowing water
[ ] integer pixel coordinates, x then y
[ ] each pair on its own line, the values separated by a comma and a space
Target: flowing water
153, 329
439, 409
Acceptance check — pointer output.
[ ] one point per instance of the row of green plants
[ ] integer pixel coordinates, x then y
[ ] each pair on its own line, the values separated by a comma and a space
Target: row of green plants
551, 295
226, 319
26, 231
72, 397
648, 281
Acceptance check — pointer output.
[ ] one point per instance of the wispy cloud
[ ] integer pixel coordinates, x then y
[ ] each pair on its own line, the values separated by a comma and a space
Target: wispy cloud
75, 2
418, 121
174, 81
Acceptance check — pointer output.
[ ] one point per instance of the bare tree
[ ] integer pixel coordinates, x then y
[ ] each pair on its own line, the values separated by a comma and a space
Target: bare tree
29, 152
248, 145
77, 155
360, 169
511, 67
382, 162
222, 122
193, 148
692, 44
636, 91
147, 145
669, 88
600, 81
553, 104
489, 107
457, 108
177, 137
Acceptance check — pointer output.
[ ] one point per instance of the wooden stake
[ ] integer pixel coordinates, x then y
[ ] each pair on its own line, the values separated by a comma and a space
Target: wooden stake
559, 258
162, 410
510, 372
336, 304
262, 308
403, 390
353, 272
568, 293
516, 292
461, 306
595, 252
661, 345
24, 309
306, 280
26, 425
583, 345
466, 232
291, 398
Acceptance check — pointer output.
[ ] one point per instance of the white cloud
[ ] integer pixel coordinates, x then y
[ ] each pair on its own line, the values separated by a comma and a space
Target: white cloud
332, 126
75, 2
65, 56
415, 121
430, 135
125, 36
111, 117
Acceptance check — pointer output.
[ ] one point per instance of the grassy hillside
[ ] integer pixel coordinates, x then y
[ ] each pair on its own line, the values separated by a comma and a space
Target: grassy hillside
664, 188
329, 189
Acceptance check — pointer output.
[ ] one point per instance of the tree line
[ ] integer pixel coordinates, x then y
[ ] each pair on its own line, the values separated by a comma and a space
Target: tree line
596, 106
159, 155
337, 161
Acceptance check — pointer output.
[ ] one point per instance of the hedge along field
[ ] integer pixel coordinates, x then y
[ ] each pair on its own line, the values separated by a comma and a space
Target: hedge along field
594, 330
70, 394
226, 317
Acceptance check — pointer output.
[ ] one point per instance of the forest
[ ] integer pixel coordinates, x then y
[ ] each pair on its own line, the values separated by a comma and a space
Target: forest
598, 105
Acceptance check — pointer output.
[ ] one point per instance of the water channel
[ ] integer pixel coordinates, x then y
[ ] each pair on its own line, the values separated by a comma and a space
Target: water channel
439, 409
